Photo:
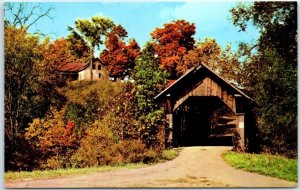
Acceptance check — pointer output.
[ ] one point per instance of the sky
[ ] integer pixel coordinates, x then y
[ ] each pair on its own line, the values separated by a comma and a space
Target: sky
212, 19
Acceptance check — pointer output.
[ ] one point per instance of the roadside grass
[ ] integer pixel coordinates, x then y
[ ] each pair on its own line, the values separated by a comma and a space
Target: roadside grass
166, 155
271, 165
45, 174
169, 154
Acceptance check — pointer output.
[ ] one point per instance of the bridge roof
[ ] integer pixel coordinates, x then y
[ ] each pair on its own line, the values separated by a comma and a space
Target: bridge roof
195, 70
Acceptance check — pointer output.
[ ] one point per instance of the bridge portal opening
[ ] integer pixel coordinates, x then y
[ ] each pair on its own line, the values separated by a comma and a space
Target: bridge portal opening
203, 121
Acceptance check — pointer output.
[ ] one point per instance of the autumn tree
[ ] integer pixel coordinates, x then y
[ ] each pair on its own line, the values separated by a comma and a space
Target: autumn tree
29, 88
172, 42
206, 51
60, 52
118, 56
24, 14
225, 62
54, 141
150, 80
270, 72
229, 65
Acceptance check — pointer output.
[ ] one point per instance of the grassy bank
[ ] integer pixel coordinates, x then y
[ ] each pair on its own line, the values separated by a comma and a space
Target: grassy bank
44, 174
275, 166
169, 154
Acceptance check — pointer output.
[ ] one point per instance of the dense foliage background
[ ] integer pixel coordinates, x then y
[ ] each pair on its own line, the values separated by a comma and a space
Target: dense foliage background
51, 123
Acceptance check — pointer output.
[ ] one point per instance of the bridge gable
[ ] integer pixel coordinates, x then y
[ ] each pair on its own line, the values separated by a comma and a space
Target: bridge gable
197, 82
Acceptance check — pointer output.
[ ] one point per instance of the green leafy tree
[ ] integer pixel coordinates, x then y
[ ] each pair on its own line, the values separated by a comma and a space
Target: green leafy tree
91, 31
78, 46
270, 72
149, 82
92, 107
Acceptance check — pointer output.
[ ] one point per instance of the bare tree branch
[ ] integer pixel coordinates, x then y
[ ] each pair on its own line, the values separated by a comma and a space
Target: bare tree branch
24, 14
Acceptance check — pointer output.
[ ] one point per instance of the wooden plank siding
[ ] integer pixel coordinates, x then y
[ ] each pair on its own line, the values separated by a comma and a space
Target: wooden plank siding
206, 87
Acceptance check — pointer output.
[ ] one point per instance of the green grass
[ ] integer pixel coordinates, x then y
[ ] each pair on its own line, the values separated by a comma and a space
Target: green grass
169, 154
45, 174
275, 166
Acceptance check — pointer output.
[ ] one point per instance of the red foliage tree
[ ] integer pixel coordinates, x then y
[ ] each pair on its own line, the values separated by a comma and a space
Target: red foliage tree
172, 42
119, 57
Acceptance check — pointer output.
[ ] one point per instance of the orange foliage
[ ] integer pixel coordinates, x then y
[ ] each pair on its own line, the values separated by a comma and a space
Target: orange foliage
52, 137
172, 42
119, 57
59, 53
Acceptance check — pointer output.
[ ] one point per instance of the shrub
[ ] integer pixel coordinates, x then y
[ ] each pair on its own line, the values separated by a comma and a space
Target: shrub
151, 156
168, 154
74, 112
93, 147
53, 140
131, 151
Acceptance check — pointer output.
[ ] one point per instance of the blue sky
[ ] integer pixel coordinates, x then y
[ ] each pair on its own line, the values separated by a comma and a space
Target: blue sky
141, 18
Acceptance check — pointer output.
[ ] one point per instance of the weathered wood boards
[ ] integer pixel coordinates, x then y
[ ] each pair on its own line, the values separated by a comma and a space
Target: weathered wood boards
203, 82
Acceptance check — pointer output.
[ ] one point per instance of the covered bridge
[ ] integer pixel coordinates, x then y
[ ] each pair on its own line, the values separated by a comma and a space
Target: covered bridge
202, 108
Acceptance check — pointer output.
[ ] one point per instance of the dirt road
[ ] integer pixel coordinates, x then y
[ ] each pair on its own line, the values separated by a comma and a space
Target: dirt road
194, 167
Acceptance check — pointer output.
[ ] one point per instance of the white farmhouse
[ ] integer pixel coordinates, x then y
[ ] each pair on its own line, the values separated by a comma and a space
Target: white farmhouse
92, 70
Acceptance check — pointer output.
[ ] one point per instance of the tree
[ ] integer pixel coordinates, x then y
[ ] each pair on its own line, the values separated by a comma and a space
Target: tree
91, 31
29, 87
207, 52
59, 52
172, 42
229, 65
119, 57
150, 81
78, 46
23, 14
277, 22
223, 61
270, 75
53, 140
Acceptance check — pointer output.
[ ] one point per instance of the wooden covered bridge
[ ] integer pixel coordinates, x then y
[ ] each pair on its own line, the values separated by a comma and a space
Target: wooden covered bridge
202, 108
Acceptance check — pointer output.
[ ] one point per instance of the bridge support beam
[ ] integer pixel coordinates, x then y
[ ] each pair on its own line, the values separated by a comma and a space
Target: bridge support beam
240, 119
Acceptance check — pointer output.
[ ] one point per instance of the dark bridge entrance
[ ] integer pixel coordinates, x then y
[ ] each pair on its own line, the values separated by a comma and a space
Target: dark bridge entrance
203, 109
195, 123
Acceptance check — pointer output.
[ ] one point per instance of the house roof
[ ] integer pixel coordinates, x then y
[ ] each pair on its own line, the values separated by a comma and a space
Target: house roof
72, 67
75, 67
193, 70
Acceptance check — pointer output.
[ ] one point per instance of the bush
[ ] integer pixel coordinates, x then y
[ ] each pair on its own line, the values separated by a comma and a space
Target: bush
100, 148
104, 128
168, 154
151, 156
131, 151
74, 112
53, 140
93, 147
